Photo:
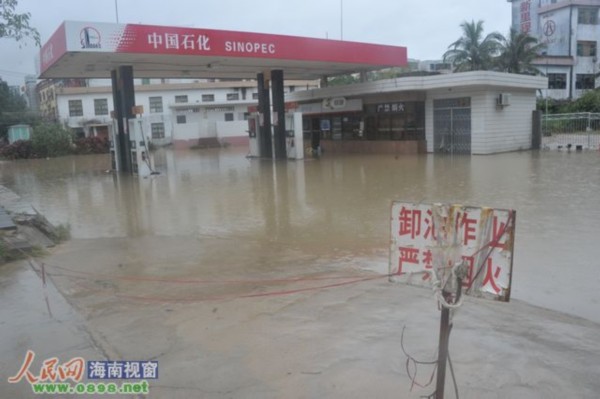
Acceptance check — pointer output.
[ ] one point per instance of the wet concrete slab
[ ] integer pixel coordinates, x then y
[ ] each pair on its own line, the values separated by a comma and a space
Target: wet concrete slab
39, 319
233, 330
13, 203
6, 222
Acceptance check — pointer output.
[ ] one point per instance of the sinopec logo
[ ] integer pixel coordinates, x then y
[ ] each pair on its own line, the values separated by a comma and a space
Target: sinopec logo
90, 38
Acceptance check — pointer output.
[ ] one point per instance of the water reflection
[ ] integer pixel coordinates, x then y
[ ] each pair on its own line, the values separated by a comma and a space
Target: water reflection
337, 205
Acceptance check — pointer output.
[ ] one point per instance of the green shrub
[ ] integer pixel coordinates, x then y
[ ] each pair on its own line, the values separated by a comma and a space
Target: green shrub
588, 102
50, 140
62, 233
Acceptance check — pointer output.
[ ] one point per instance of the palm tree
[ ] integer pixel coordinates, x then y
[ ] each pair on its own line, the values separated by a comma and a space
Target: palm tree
473, 52
517, 51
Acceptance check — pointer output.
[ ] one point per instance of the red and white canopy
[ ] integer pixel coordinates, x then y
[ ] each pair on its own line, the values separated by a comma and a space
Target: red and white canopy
92, 50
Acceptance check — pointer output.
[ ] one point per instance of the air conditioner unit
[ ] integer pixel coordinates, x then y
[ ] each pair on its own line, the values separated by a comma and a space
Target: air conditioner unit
503, 99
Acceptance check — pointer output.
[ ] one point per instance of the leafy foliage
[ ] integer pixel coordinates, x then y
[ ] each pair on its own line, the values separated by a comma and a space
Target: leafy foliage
472, 51
588, 102
517, 52
343, 80
10, 101
50, 140
20, 149
13, 110
14, 25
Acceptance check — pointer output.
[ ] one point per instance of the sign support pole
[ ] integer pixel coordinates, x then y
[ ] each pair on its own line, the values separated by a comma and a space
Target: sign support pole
443, 352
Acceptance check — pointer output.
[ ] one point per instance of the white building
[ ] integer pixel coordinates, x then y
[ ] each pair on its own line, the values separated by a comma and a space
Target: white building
570, 29
174, 113
479, 112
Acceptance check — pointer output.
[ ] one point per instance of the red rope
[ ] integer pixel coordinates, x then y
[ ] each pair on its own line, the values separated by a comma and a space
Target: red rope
254, 295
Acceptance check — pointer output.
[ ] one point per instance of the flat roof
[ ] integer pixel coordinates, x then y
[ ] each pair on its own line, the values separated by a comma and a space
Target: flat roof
91, 50
453, 81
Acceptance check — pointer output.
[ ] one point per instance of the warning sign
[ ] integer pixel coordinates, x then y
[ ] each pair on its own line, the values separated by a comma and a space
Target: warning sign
428, 241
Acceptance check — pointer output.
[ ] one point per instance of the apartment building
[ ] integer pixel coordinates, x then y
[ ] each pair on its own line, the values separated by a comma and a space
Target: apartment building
570, 29
174, 111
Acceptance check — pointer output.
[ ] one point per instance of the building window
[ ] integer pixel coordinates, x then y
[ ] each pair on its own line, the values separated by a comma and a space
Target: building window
156, 105
145, 81
208, 97
181, 119
233, 96
586, 49
181, 99
557, 80
587, 16
100, 106
229, 117
585, 81
158, 130
75, 108
255, 96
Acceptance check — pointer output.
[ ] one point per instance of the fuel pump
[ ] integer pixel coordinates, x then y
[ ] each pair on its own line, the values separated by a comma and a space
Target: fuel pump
141, 160
254, 137
115, 160
294, 141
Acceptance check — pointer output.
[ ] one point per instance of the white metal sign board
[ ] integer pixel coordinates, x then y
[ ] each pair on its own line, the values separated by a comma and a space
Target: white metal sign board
428, 240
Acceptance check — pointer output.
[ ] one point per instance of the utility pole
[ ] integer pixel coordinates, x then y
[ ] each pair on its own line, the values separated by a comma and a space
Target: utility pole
341, 19
117, 10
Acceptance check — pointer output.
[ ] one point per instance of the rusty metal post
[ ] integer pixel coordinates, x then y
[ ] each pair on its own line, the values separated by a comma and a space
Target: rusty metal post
443, 352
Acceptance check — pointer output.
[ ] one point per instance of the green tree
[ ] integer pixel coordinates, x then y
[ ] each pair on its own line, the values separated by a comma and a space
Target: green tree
517, 52
14, 25
13, 109
9, 100
341, 80
472, 51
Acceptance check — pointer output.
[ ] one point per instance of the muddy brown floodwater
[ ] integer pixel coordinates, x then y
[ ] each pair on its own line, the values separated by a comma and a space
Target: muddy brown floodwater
218, 268
333, 210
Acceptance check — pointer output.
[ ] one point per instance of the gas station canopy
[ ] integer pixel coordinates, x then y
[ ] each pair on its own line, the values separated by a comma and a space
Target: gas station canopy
92, 50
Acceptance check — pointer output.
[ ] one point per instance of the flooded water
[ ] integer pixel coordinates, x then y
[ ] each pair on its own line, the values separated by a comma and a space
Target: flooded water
333, 210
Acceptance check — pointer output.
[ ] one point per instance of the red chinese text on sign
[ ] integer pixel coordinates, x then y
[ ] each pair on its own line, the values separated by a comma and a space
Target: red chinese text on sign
433, 238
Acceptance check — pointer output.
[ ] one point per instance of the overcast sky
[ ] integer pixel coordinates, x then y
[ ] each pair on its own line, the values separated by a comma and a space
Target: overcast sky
425, 27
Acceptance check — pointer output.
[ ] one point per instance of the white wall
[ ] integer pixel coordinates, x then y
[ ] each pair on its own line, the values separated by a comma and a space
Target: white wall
232, 129
87, 101
506, 128
493, 129
199, 129
198, 125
